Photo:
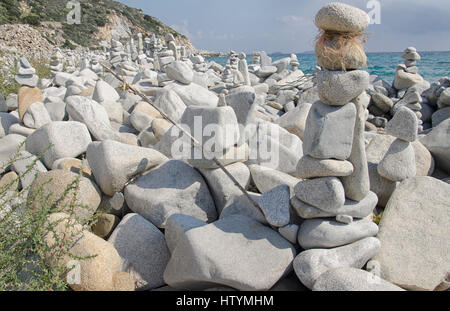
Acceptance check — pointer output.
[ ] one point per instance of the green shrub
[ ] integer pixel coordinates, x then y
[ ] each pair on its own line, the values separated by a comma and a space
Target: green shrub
25, 263
68, 45
31, 19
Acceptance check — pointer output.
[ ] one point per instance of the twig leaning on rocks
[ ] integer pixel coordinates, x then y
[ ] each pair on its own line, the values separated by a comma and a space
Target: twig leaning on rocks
196, 143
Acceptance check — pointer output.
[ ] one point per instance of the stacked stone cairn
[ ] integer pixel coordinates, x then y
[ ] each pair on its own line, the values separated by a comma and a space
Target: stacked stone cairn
399, 163
27, 74
95, 65
56, 62
294, 62
410, 85
70, 64
116, 52
334, 196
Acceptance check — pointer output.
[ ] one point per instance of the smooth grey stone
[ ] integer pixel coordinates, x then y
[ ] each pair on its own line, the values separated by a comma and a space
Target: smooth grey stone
382, 102
323, 233
172, 188
266, 178
3, 105
93, 115
22, 167
357, 184
221, 120
56, 108
290, 232
411, 55
26, 80
438, 143
140, 120
180, 72
355, 209
222, 188
375, 153
64, 140
26, 71
399, 163
113, 164
351, 279
243, 207
345, 219
440, 116
403, 125
329, 131
20, 129
414, 234
171, 104
338, 88
177, 225
9, 146
310, 264
6, 120
142, 249
243, 101
341, 17
36, 116
195, 95
309, 167
276, 206
266, 71
294, 120
427, 112
326, 193
238, 249
444, 98
12, 101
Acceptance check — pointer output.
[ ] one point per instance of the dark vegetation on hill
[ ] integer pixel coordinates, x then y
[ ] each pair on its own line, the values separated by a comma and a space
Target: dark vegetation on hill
95, 14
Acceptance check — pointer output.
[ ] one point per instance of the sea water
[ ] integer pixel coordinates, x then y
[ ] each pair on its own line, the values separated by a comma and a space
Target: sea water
432, 66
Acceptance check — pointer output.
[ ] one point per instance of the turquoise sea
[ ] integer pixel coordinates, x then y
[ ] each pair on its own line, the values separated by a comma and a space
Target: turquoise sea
433, 66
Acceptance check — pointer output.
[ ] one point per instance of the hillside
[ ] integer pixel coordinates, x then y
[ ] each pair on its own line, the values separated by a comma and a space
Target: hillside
100, 18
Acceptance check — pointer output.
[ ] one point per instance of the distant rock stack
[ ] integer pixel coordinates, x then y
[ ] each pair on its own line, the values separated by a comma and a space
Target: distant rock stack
171, 45
294, 62
334, 167
407, 74
243, 68
95, 65
399, 163
410, 85
70, 64
27, 74
227, 75
56, 62
127, 69
115, 54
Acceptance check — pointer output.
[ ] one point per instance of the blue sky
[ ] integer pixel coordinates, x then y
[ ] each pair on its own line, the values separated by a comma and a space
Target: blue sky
288, 25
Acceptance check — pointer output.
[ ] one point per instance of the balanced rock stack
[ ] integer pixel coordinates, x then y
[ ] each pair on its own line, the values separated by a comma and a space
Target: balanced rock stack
294, 62
116, 52
407, 74
56, 62
27, 74
411, 85
95, 65
334, 167
399, 163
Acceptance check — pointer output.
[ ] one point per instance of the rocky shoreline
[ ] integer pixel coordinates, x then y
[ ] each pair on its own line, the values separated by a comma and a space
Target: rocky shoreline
317, 158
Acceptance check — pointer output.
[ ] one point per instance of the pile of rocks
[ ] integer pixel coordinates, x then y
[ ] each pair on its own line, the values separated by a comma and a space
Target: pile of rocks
27, 74
56, 62
173, 216
335, 170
